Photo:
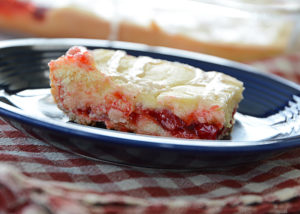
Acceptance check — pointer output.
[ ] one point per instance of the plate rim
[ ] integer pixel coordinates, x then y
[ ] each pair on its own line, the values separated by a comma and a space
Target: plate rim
138, 139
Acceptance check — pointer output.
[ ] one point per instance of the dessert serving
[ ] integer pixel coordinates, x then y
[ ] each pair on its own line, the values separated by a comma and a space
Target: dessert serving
144, 95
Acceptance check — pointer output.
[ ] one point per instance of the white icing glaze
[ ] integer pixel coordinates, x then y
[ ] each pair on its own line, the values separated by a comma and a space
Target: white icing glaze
158, 84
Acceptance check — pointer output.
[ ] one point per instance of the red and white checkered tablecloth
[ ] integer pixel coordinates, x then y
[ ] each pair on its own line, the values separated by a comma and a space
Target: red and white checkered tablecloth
38, 178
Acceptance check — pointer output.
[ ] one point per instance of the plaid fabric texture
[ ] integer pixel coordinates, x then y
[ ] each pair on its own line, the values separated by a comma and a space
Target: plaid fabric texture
38, 178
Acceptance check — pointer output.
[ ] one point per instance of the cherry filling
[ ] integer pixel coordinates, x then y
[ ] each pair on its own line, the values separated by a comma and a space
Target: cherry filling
170, 122
85, 112
11, 7
39, 13
81, 57
179, 128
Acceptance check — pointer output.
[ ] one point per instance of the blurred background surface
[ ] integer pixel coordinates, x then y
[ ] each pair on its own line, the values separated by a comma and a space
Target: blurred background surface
240, 30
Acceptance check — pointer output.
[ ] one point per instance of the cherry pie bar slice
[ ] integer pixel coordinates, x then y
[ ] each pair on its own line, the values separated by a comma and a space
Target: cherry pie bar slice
144, 95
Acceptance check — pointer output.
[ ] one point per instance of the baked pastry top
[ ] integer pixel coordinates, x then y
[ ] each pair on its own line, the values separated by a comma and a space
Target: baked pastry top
144, 95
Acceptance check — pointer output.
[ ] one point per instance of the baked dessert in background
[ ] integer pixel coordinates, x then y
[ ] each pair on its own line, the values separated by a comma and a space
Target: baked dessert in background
239, 39
144, 95
33, 20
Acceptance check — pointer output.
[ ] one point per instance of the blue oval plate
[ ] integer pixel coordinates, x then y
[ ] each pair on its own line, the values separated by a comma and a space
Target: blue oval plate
267, 122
